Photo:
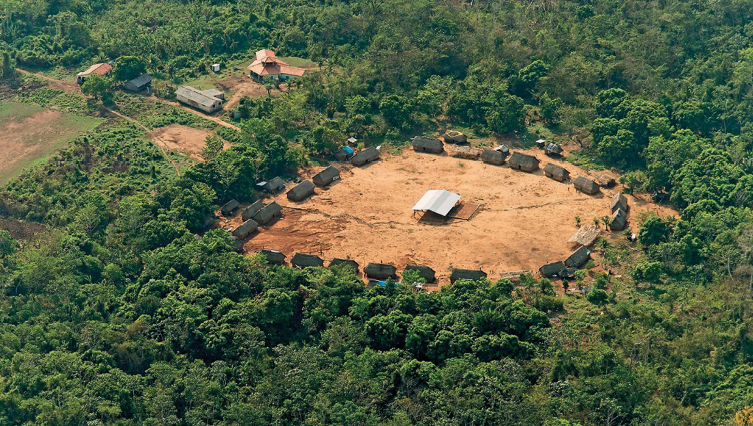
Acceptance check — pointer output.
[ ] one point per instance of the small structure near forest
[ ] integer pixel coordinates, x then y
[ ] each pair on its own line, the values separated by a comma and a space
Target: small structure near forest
236, 243
605, 181
251, 210
273, 256
245, 228
102, 69
619, 201
586, 185
381, 271
344, 153
271, 186
453, 136
302, 260
492, 156
578, 258
326, 176
552, 269
268, 67
467, 274
586, 236
425, 272
139, 83
267, 213
524, 162
347, 262
553, 149
228, 208
556, 172
619, 220
541, 143
430, 145
301, 191
199, 99
364, 157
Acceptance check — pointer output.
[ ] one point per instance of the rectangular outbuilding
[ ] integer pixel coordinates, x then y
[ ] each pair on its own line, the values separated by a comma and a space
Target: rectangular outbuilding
437, 201
251, 210
586, 185
381, 271
236, 243
271, 186
430, 145
228, 208
326, 176
425, 272
619, 201
267, 213
619, 220
301, 191
302, 260
552, 149
552, 269
198, 99
556, 172
139, 83
524, 162
273, 256
364, 157
578, 258
467, 274
245, 228
492, 156
337, 262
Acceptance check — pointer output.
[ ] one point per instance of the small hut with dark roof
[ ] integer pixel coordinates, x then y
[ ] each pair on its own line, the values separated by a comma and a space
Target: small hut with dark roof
619, 201
586, 185
236, 243
364, 157
302, 260
272, 186
380, 271
431, 145
578, 258
273, 256
267, 213
553, 149
245, 228
326, 176
524, 162
424, 272
347, 262
251, 210
619, 220
229, 207
301, 191
552, 269
467, 274
453, 136
556, 172
492, 156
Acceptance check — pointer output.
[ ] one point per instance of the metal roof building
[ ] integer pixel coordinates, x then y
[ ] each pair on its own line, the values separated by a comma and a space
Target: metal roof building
139, 83
198, 99
437, 201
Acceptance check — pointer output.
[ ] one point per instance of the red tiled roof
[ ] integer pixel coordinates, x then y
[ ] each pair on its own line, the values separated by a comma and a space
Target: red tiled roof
266, 63
101, 69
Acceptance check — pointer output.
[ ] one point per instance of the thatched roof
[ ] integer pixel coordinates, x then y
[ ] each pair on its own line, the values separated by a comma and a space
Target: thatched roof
302, 260
578, 258
586, 185
553, 149
467, 274
251, 210
273, 185
424, 144
380, 271
424, 271
619, 220
267, 213
523, 161
245, 228
619, 201
552, 269
236, 243
301, 191
273, 256
326, 176
585, 236
347, 262
229, 207
366, 156
492, 156
556, 172
453, 136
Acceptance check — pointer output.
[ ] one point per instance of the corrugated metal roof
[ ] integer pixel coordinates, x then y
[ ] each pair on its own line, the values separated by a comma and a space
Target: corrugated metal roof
196, 95
101, 69
438, 201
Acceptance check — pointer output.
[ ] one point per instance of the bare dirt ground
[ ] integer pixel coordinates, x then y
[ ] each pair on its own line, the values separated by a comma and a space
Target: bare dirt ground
524, 221
21, 229
184, 139
242, 86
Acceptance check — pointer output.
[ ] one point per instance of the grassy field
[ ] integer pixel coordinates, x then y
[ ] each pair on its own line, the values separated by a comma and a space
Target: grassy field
32, 133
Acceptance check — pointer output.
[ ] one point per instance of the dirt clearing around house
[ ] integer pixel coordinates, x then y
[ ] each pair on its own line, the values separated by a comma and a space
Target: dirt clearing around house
29, 134
183, 139
524, 219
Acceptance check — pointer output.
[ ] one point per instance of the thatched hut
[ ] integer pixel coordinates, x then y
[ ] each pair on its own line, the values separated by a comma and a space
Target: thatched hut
619, 220
453, 136
619, 201
301, 260
586, 236
245, 228
578, 258
553, 149
552, 269
326, 176
430, 145
467, 274
524, 162
251, 210
380, 271
364, 157
274, 257
586, 185
491, 156
209, 220
337, 262
267, 213
556, 172
424, 272
236, 243
229, 207
301, 191
271, 186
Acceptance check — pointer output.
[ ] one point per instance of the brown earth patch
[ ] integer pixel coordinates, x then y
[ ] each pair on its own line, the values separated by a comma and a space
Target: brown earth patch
184, 139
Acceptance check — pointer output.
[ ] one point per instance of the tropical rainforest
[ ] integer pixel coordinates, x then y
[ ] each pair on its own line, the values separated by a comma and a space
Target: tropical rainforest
126, 311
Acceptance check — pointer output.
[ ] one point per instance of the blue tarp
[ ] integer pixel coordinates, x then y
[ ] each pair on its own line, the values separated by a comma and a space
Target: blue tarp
348, 149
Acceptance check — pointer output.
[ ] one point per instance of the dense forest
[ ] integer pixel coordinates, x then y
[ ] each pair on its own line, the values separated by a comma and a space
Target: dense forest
128, 312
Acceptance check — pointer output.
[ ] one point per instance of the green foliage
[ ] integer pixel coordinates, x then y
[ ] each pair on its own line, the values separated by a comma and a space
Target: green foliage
212, 146
97, 86
128, 67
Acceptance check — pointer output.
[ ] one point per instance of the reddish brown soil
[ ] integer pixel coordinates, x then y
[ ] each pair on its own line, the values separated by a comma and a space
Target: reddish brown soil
183, 139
